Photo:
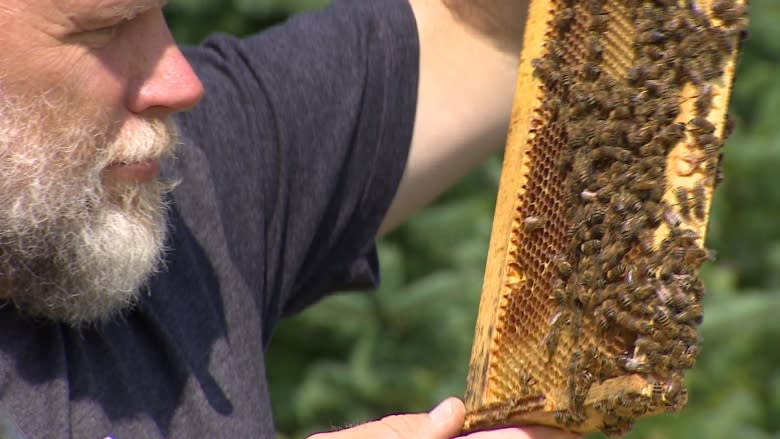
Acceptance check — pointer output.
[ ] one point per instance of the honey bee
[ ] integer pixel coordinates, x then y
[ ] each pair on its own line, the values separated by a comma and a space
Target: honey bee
578, 109
591, 71
687, 333
678, 301
620, 112
662, 317
699, 201
565, 160
643, 110
642, 326
552, 106
656, 70
602, 323
712, 152
654, 213
613, 253
636, 365
576, 321
693, 314
652, 36
685, 362
647, 344
671, 134
655, 53
647, 241
674, 23
594, 48
631, 227
626, 300
706, 139
696, 256
526, 383
596, 216
564, 19
559, 296
626, 202
659, 362
616, 272
652, 148
728, 11
700, 125
658, 392
672, 218
590, 247
728, 128
555, 50
563, 417
533, 223
610, 309
605, 137
668, 109
543, 68
598, 23
578, 135
683, 202
564, 79
703, 101
656, 87
613, 153
636, 75
563, 267
641, 136
605, 102
643, 292
550, 340
672, 391
725, 40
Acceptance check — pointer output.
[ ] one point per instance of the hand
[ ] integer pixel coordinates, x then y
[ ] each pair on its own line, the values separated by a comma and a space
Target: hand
443, 422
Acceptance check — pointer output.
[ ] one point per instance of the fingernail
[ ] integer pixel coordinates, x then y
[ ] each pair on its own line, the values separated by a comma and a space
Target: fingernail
442, 412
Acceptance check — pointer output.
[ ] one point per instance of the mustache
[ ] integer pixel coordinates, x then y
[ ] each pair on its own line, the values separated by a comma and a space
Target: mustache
152, 139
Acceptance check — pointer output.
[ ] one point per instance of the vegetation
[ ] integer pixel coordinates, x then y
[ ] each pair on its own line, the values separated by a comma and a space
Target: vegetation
406, 346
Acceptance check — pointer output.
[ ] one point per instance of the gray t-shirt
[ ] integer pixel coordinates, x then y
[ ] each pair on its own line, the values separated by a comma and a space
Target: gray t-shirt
287, 166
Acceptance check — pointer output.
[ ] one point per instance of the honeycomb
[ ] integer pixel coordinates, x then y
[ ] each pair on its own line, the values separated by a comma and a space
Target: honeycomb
591, 298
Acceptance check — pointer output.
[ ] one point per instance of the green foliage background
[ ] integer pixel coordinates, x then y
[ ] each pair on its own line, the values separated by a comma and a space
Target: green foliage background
352, 358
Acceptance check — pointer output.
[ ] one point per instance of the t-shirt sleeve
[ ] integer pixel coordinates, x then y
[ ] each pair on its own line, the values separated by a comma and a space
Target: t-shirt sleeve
304, 130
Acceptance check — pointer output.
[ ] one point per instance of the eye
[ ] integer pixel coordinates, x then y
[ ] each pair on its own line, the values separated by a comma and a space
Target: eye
98, 37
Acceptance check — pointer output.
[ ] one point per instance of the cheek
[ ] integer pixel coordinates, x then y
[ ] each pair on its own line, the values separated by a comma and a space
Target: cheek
90, 83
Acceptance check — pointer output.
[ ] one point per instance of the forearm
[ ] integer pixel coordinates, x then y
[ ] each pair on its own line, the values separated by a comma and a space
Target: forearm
468, 67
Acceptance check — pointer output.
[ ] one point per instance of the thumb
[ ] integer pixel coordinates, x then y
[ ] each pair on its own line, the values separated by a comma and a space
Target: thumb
443, 422
448, 416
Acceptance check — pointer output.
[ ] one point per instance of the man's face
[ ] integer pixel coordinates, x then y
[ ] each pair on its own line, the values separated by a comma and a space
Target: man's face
86, 88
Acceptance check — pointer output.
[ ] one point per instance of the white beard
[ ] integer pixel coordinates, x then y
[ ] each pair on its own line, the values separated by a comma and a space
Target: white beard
73, 249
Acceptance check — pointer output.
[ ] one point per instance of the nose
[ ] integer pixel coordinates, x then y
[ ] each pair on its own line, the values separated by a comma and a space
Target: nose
166, 83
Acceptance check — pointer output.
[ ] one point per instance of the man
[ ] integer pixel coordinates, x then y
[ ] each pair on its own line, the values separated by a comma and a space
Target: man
137, 304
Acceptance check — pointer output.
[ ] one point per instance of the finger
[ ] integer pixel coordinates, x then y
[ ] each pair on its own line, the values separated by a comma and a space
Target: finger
532, 432
443, 422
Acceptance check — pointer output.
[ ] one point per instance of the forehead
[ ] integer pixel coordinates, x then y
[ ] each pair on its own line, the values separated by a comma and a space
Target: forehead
78, 10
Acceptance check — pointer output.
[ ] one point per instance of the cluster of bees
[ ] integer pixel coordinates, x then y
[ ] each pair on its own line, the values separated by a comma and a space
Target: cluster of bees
615, 274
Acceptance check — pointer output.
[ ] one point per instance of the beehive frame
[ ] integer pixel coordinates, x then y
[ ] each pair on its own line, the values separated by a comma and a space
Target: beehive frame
591, 295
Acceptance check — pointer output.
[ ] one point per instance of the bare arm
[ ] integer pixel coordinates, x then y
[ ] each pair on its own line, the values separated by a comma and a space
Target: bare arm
469, 51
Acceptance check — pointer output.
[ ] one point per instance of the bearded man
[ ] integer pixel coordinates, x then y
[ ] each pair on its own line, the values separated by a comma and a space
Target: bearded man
148, 246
